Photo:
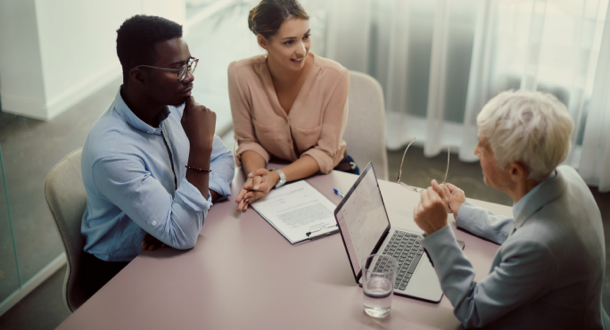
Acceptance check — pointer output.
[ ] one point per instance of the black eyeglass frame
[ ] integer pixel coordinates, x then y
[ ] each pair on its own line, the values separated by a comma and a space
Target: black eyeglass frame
403, 159
190, 66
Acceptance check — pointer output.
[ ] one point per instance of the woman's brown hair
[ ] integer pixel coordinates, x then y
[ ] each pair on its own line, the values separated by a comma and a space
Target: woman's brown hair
267, 17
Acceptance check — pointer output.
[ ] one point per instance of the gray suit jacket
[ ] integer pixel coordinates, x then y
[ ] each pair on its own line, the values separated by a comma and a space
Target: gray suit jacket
547, 275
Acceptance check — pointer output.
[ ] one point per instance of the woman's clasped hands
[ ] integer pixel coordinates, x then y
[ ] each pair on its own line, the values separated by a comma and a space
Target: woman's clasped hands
257, 186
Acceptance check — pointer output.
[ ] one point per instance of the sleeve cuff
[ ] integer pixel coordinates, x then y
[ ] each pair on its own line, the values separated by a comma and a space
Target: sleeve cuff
439, 245
465, 213
219, 185
325, 162
437, 238
190, 196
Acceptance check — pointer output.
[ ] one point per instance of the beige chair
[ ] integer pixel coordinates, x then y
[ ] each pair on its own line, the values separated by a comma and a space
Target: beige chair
365, 130
67, 199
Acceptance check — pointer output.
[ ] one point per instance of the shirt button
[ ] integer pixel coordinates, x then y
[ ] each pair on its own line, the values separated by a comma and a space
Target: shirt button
154, 223
148, 132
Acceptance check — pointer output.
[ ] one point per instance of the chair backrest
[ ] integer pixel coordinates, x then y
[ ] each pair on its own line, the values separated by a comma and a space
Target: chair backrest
67, 200
365, 130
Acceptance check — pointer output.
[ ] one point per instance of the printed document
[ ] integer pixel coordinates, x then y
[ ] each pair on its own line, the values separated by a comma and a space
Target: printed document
296, 210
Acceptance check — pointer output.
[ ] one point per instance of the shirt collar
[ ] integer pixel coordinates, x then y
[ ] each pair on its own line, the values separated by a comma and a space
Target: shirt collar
123, 110
518, 207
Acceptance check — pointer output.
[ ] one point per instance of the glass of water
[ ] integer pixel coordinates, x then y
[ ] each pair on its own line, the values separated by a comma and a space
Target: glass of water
378, 275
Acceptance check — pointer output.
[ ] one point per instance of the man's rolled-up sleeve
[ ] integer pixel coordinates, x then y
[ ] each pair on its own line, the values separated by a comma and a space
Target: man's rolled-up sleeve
127, 183
223, 168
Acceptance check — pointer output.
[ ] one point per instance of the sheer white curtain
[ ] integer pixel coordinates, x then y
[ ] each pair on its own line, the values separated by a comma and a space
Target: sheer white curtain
420, 51
440, 61
561, 47
595, 158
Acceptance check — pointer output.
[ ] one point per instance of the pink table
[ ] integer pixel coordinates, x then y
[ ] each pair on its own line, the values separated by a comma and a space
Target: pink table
243, 274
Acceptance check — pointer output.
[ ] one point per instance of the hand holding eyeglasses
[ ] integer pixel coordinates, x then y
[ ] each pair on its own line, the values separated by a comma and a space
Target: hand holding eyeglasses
430, 214
403, 160
452, 196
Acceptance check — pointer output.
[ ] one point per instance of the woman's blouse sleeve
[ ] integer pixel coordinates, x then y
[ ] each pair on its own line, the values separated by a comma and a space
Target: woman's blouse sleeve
241, 111
330, 148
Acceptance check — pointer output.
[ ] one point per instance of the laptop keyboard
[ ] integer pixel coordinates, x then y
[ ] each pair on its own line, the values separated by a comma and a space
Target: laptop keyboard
407, 251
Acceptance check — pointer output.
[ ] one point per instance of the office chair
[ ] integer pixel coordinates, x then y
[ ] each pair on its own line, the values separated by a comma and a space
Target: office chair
365, 129
67, 199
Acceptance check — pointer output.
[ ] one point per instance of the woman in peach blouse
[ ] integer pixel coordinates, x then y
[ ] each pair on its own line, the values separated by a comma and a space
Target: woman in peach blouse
289, 105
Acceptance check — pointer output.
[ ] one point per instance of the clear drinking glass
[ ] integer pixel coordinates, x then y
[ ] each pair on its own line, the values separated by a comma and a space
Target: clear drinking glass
378, 276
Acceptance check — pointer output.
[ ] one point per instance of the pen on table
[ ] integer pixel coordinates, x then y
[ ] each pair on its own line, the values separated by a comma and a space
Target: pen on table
324, 234
315, 230
337, 192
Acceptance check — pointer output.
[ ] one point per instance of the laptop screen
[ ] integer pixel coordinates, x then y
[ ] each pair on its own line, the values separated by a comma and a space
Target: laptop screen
362, 218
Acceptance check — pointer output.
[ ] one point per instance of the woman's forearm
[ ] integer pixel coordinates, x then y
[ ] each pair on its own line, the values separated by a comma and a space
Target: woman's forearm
301, 168
251, 160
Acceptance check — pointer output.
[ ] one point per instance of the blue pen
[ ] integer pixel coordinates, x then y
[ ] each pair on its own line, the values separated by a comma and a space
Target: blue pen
337, 192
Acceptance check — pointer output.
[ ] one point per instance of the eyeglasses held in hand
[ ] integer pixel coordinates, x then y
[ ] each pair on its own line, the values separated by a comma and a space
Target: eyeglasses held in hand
190, 66
402, 161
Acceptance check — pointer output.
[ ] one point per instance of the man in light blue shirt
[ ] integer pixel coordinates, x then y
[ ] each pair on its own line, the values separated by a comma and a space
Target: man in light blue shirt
151, 164
549, 270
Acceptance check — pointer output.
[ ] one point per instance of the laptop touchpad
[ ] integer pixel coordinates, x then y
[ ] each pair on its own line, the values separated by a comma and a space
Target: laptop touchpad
424, 283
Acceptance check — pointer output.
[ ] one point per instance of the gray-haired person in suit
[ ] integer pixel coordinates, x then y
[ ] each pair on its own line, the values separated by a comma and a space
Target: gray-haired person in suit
549, 270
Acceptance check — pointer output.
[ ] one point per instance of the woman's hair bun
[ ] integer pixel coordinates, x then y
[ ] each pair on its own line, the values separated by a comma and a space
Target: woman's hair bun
251, 23
267, 17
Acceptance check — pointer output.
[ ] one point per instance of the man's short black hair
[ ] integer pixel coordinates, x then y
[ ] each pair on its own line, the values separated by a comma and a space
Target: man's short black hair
136, 39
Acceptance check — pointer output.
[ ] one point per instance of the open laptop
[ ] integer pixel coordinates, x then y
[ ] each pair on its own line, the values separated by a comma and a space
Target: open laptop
365, 228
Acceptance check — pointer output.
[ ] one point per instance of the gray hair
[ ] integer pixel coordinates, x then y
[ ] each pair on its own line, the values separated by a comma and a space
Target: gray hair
531, 128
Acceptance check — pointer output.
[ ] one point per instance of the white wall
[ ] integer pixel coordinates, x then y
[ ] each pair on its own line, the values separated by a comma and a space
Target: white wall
20, 63
55, 53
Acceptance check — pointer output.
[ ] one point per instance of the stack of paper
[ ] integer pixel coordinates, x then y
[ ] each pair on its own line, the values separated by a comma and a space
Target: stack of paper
298, 211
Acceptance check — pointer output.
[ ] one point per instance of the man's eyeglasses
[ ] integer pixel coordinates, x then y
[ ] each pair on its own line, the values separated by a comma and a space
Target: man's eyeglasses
190, 66
402, 161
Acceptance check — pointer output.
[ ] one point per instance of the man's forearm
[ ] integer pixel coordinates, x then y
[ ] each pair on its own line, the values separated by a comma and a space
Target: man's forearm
197, 172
